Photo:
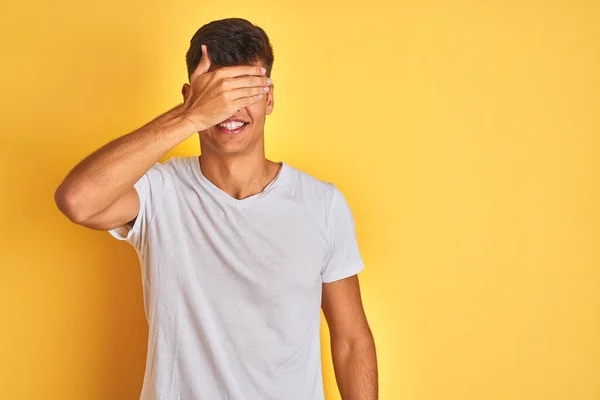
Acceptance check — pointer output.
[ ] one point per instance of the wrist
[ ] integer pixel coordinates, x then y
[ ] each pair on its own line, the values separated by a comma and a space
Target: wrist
182, 114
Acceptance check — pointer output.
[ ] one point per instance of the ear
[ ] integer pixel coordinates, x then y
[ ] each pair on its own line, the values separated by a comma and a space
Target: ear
270, 99
184, 90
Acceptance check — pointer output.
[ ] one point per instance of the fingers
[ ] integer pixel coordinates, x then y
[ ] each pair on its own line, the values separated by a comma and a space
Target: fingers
204, 64
245, 81
246, 101
247, 92
239, 70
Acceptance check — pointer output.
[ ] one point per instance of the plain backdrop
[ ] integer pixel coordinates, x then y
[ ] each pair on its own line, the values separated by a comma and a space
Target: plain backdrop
464, 134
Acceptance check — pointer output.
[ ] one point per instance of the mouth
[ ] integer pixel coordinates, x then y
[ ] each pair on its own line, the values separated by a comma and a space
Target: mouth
231, 127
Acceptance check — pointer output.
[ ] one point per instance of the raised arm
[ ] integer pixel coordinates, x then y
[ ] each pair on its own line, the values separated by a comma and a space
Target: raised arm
106, 177
98, 192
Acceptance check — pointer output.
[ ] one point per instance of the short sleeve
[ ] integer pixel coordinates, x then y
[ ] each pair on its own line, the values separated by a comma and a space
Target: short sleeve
344, 255
148, 187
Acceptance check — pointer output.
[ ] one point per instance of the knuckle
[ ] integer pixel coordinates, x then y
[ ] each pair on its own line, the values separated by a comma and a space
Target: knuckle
225, 83
218, 73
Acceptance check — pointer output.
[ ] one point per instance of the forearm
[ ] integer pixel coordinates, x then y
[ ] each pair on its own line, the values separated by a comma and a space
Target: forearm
109, 172
355, 365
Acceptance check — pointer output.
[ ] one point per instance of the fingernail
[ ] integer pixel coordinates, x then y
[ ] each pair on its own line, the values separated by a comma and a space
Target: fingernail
266, 88
263, 70
260, 96
269, 81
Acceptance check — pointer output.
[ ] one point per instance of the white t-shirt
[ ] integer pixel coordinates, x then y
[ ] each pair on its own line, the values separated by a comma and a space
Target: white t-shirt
232, 288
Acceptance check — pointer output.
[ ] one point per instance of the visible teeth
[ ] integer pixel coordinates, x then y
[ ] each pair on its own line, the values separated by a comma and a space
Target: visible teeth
231, 125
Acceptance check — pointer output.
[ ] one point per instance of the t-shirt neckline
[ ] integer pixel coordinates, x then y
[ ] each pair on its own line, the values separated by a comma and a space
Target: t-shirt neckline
226, 196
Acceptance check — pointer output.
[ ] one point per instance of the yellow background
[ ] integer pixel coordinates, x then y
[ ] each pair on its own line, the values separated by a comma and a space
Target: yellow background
464, 134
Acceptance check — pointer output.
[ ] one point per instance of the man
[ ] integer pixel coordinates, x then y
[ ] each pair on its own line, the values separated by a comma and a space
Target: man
238, 253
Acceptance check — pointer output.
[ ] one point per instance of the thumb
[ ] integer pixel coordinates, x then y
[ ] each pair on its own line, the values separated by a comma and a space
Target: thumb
204, 64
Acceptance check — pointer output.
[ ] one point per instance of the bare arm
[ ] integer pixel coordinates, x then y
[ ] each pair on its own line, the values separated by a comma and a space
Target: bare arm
99, 193
352, 343
108, 174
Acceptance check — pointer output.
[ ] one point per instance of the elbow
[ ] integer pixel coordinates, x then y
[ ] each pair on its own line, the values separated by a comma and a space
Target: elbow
352, 340
68, 203
356, 339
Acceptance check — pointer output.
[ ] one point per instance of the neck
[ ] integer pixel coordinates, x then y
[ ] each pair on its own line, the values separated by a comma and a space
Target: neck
239, 176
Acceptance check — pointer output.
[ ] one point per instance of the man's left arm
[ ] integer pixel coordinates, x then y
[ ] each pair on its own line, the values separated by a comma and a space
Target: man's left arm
352, 343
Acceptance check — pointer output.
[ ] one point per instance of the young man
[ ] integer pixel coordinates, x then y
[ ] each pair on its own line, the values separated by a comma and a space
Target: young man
238, 253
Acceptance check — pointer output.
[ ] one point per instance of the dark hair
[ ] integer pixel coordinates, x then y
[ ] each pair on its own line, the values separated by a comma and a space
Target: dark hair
230, 42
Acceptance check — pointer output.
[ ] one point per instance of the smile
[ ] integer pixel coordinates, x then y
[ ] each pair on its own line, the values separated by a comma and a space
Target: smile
231, 126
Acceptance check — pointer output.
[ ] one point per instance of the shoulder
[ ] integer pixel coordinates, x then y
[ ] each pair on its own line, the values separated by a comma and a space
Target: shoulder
175, 163
173, 167
322, 196
318, 196
163, 176
311, 187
